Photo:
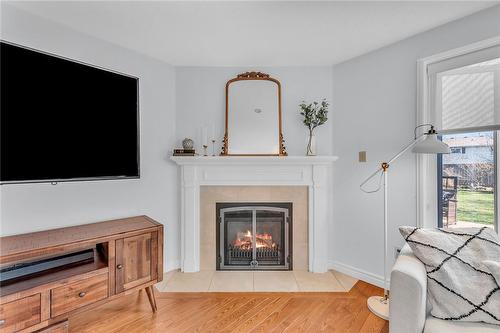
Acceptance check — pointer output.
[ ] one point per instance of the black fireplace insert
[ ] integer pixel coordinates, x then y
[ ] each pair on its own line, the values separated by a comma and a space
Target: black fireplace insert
254, 236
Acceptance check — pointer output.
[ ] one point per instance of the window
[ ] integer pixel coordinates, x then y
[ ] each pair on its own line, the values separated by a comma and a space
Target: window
457, 150
466, 102
467, 181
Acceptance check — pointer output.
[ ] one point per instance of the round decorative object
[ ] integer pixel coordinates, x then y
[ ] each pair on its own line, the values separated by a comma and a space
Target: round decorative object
187, 143
379, 305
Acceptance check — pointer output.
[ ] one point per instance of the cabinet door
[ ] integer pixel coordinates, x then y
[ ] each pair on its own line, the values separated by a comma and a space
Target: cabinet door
133, 261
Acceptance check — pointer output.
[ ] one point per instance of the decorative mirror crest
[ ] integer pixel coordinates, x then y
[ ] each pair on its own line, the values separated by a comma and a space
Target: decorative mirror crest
253, 75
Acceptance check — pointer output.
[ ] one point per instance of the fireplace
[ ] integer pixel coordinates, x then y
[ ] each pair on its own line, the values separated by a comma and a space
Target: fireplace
254, 236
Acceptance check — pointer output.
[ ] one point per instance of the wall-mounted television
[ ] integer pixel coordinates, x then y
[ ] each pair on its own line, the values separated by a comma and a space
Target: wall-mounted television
64, 120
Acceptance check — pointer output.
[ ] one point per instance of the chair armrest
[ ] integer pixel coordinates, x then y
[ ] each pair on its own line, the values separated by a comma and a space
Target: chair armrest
408, 296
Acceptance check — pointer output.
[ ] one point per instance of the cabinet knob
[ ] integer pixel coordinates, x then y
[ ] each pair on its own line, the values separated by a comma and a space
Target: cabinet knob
120, 266
2, 321
82, 294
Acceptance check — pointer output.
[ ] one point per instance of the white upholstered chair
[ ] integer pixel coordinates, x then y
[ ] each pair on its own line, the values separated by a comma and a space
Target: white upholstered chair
409, 311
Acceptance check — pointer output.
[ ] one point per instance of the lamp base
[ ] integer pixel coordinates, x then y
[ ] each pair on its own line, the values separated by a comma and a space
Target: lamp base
379, 305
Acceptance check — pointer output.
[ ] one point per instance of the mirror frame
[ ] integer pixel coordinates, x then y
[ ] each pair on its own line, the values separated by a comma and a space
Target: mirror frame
253, 76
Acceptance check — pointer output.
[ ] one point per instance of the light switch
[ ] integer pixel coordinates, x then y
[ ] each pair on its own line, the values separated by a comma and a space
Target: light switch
362, 156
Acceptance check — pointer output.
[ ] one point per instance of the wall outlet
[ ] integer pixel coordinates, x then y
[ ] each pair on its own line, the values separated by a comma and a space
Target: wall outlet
362, 156
397, 251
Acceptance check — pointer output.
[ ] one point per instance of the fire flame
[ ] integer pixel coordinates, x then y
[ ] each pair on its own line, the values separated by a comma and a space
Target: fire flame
243, 240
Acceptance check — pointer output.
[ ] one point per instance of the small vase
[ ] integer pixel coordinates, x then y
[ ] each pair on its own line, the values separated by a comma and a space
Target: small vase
311, 145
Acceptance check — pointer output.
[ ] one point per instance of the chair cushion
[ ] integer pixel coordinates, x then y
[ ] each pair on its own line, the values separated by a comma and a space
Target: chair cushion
460, 287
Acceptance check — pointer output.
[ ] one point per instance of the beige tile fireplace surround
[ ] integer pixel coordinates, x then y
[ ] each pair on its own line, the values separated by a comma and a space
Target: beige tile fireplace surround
210, 195
256, 281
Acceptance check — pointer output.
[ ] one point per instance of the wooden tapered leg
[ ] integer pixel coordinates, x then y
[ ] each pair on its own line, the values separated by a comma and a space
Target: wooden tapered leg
151, 297
154, 297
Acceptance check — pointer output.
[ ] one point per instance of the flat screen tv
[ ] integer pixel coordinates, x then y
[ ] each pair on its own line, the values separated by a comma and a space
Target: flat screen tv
63, 120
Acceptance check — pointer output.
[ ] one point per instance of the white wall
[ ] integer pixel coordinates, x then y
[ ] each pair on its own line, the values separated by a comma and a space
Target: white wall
200, 96
31, 207
374, 103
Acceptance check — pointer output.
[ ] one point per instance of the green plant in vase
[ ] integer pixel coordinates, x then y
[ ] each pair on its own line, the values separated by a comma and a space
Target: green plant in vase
315, 114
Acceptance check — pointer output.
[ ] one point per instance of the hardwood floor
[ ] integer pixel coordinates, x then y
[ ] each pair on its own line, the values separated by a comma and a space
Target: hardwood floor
236, 312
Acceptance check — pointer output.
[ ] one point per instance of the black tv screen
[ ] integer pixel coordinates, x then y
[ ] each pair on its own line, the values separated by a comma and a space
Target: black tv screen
63, 120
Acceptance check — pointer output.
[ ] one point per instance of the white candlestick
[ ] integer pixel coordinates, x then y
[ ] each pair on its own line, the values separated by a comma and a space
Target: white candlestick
212, 130
204, 136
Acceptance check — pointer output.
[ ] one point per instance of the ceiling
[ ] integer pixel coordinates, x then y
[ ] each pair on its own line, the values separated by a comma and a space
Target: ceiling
253, 33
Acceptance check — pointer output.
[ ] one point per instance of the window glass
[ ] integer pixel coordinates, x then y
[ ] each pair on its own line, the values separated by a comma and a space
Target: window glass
467, 180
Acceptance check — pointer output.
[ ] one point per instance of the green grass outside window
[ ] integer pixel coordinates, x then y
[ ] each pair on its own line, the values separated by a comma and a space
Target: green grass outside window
478, 207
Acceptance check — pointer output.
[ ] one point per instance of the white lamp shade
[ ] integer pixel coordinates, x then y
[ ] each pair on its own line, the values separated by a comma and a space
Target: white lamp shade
431, 145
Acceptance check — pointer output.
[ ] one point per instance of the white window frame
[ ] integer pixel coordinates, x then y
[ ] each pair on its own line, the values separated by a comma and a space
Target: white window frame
427, 164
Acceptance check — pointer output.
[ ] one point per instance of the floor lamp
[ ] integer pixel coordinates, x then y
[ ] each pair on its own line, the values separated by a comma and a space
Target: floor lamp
426, 143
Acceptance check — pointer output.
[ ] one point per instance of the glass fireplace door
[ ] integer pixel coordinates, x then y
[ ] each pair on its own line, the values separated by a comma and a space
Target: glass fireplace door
238, 243
253, 237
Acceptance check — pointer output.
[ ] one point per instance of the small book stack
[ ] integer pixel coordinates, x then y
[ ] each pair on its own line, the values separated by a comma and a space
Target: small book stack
184, 152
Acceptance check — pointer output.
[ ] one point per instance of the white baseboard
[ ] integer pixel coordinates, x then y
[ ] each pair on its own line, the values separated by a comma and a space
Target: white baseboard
357, 273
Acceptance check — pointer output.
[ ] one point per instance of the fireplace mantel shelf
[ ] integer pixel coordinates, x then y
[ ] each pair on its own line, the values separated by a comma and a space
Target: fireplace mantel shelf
253, 160
315, 172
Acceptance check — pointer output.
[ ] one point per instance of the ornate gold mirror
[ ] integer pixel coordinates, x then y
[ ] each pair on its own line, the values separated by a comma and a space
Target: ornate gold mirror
253, 116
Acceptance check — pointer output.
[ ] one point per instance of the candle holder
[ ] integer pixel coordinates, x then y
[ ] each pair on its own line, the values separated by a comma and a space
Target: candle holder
205, 150
213, 147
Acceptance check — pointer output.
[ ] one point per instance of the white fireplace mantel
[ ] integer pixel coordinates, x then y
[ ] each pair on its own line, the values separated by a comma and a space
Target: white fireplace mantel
312, 171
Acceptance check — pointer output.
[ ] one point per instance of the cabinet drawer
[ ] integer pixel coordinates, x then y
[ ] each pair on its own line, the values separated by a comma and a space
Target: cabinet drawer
78, 294
20, 314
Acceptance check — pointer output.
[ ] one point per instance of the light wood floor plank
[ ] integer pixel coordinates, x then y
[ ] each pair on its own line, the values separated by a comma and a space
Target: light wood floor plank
236, 312
310, 316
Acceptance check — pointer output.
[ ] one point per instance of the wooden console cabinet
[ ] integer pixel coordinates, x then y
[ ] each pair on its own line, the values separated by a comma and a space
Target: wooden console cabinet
128, 256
